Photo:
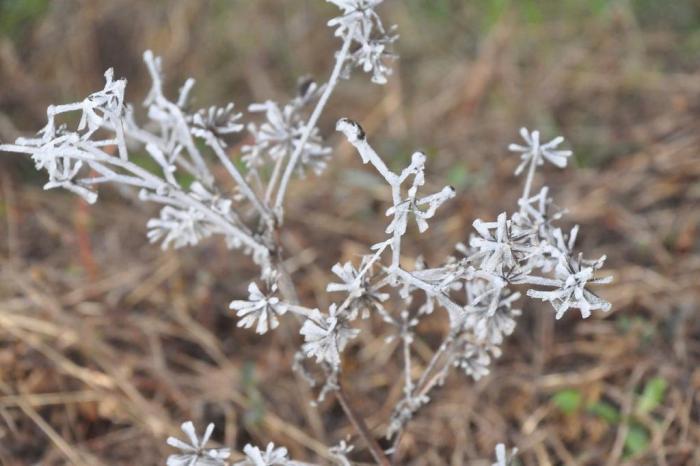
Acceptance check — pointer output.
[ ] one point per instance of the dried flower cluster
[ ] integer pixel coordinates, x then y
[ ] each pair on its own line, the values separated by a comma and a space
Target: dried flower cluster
361, 25
475, 287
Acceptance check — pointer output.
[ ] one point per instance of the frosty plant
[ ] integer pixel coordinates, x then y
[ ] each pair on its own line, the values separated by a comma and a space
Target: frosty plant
475, 287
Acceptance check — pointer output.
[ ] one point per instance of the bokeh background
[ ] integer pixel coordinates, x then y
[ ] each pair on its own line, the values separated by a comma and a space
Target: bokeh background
107, 343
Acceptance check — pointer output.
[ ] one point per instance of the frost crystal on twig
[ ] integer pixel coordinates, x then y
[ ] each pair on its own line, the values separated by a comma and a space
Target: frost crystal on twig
358, 15
362, 25
178, 227
404, 412
282, 134
490, 311
271, 456
539, 152
260, 308
215, 122
194, 453
572, 277
497, 246
325, 336
340, 453
363, 295
473, 358
502, 456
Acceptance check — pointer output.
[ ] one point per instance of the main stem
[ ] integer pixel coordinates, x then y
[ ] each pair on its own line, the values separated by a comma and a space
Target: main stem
311, 124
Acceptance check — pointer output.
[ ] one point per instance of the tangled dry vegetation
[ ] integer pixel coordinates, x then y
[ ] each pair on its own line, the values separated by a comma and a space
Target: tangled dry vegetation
107, 343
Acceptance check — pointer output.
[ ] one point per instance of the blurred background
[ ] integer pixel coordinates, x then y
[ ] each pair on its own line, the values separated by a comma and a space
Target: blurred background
107, 343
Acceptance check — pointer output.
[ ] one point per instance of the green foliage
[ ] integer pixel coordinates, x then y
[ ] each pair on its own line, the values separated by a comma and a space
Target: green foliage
604, 411
568, 400
16, 15
652, 395
638, 437
637, 440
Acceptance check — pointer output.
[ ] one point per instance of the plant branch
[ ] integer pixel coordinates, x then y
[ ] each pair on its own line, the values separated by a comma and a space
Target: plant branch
311, 124
238, 178
530, 177
361, 427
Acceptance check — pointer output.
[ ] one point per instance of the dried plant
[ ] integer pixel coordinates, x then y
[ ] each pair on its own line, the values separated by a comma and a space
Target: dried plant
474, 286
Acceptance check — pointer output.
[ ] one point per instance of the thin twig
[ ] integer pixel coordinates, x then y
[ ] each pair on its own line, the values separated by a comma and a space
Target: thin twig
311, 124
361, 427
530, 177
70, 453
238, 178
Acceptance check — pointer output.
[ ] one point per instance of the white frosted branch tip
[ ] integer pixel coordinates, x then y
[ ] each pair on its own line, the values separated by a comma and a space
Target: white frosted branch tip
351, 129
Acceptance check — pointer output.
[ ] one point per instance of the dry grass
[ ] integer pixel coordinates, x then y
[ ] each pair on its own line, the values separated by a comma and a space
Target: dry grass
107, 343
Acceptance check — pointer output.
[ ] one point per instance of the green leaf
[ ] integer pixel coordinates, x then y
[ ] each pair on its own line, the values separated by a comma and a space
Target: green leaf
653, 395
568, 401
637, 440
605, 411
